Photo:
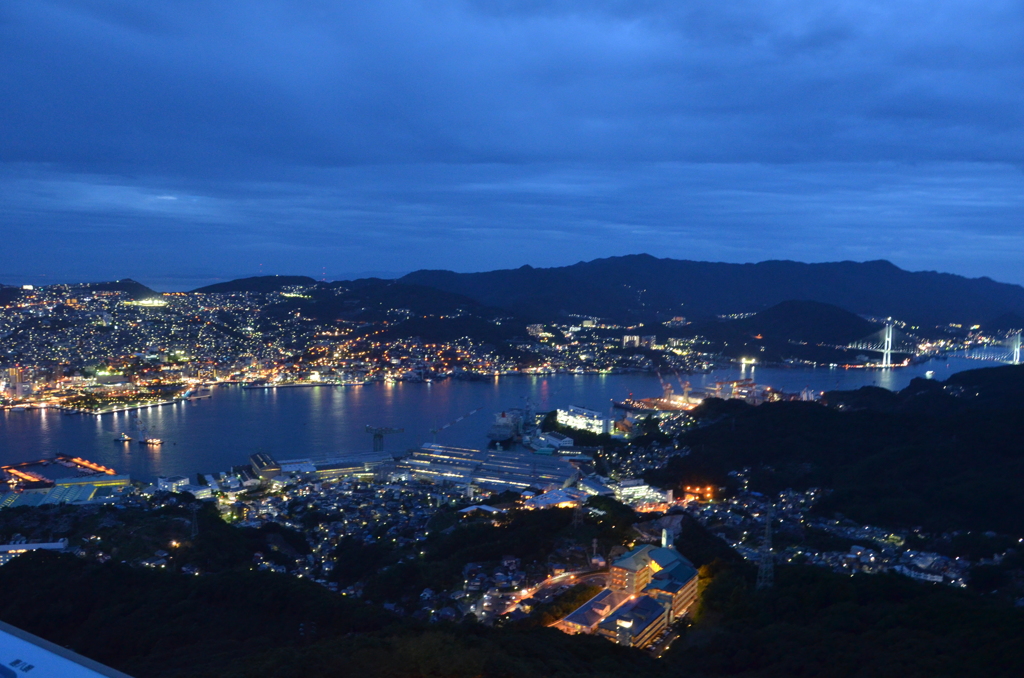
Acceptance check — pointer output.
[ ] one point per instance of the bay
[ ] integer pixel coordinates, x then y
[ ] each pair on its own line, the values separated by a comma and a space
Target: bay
321, 422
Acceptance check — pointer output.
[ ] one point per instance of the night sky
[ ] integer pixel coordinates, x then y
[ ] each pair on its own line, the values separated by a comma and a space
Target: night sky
178, 142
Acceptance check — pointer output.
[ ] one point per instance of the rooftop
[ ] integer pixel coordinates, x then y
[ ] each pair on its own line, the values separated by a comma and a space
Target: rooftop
597, 608
635, 616
25, 652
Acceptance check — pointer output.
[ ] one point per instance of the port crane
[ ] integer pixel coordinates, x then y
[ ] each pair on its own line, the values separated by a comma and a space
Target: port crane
435, 431
686, 386
378, 433
143, 429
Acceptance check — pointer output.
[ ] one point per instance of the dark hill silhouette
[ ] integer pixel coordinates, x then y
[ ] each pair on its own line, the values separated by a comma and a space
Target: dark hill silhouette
803, 330
373, 299
438, 330
1005, 322
262, 283
810, 321
639, 287
943, 455
8, 294
134, 288
988, 388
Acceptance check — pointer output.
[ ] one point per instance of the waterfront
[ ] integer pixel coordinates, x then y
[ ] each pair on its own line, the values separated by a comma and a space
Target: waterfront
216, 433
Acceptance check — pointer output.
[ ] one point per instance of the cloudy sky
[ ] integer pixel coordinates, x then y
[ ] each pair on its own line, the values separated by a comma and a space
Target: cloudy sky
180, 141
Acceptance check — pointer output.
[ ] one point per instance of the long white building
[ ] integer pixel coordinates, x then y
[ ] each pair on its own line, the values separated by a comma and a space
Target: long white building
487, 468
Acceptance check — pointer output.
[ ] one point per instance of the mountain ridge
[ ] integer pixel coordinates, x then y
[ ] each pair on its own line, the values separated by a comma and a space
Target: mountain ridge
643, 287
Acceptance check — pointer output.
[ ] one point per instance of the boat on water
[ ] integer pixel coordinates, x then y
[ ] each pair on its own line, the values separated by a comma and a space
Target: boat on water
258, 384
151, 441
198, 394
123, 438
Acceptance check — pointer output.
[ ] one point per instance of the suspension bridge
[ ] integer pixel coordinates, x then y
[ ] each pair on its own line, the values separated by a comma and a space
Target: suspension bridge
887, 341
1007, 351
890, 340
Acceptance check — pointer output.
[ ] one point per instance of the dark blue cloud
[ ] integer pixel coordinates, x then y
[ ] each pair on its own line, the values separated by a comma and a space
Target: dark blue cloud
192, 140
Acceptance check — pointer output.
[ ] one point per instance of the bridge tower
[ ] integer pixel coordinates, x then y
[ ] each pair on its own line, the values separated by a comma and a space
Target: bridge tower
766, 567
887, 346
1015, 344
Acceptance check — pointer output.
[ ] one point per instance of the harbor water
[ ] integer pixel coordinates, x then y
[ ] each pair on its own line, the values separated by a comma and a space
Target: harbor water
213, 434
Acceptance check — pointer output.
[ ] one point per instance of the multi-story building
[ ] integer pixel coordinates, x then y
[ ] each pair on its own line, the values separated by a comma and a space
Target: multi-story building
171, 484
660, 575
636, 624
583, 419
636, 492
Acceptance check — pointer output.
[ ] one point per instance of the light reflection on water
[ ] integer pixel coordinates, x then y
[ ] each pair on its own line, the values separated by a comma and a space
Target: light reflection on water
216, 433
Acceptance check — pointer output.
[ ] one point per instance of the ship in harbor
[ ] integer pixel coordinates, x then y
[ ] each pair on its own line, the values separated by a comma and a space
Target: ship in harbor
508, 427
738, 389
123, 438
198, 393
668, 402
259, 383
144, 437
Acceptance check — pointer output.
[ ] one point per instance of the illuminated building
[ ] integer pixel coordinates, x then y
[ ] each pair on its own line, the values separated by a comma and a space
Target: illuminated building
637, 492
593, 487
565, 497
586, 618
583, 419
636, 624
13, 378
660, 574
264, 466
172, 484
197, 491
487, 468
97, 480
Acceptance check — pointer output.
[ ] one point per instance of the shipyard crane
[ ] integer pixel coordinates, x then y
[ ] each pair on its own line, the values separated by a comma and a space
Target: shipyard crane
378, 433
666, 387
686, 386
143, 430
435, 431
